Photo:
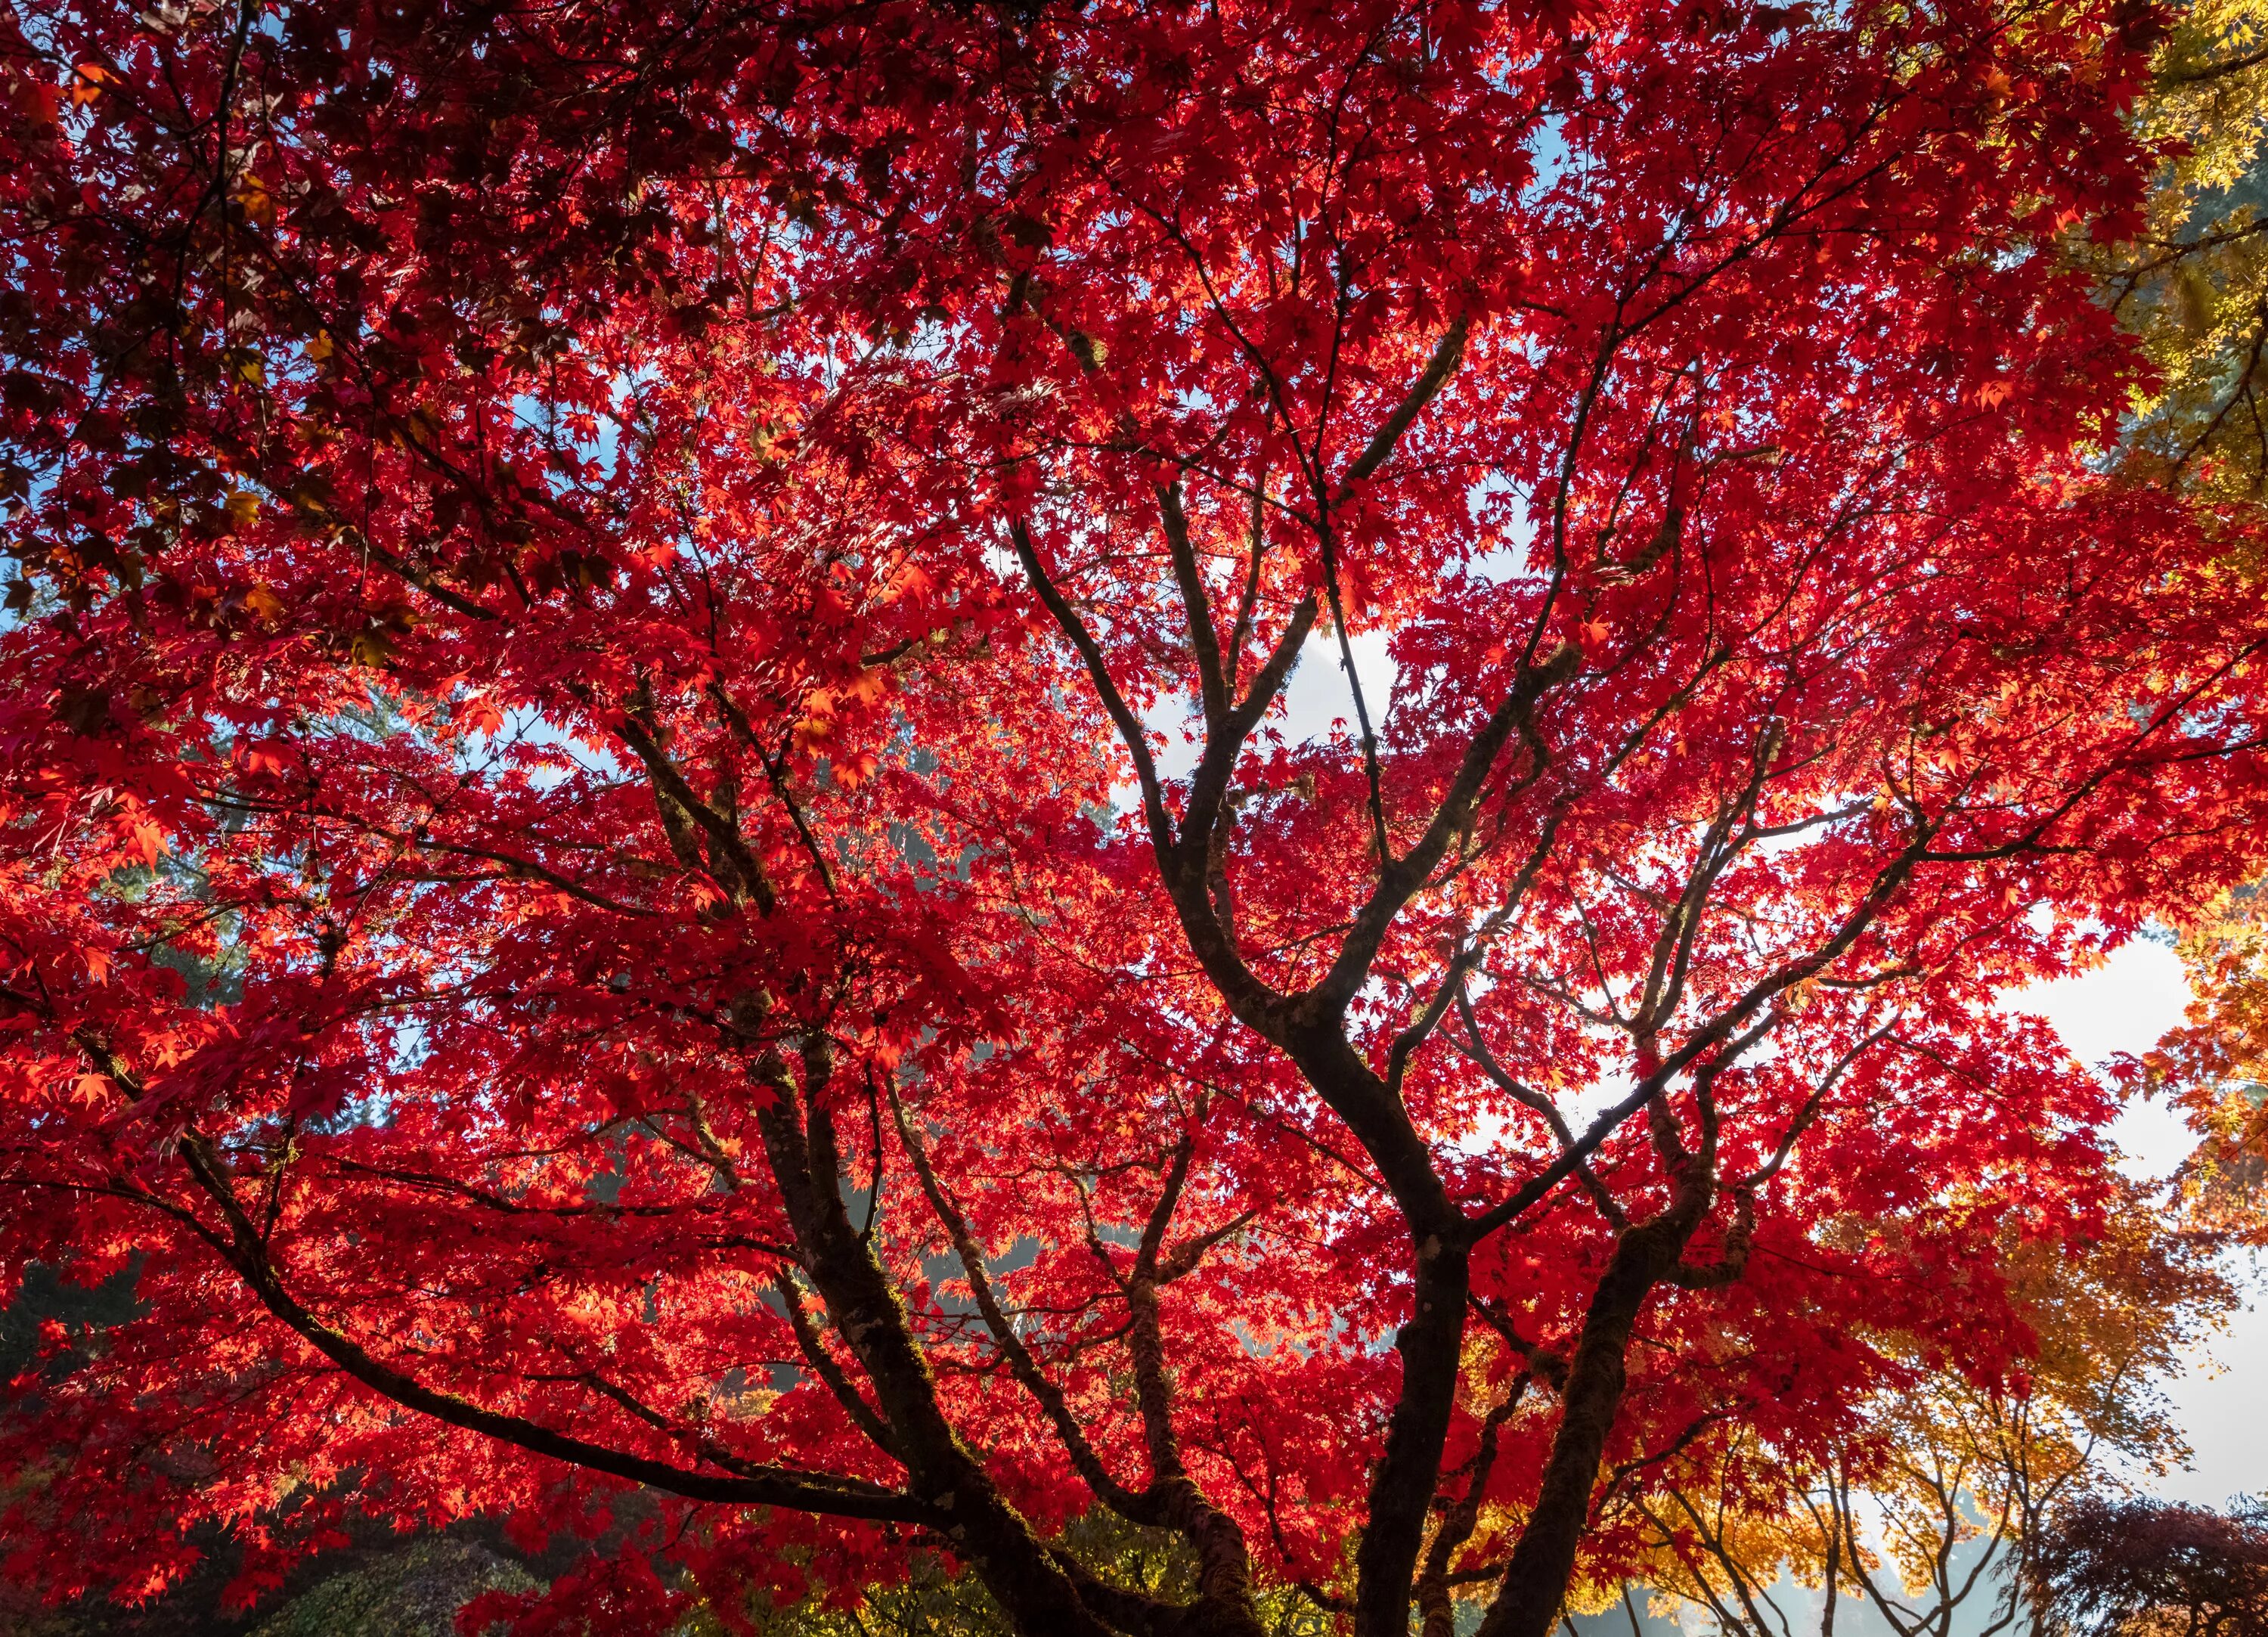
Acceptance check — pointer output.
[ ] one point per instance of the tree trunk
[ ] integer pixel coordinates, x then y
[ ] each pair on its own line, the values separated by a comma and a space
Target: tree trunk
1535, 1580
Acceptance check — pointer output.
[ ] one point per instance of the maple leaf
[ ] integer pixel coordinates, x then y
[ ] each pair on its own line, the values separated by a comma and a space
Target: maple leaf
266, 606
258, 205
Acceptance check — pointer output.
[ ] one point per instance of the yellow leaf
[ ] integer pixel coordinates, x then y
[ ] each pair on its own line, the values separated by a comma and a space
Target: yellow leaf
258, 204
370, 647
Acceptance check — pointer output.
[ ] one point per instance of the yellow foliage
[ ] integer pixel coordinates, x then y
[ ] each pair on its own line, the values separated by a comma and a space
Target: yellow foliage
2215, 1067
1950, 1463
2195, 284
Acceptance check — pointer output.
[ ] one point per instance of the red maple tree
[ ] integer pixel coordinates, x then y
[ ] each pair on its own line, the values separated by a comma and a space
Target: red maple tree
654, 849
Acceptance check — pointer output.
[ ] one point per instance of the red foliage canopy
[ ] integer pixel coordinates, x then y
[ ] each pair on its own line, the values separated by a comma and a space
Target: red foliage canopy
652, 838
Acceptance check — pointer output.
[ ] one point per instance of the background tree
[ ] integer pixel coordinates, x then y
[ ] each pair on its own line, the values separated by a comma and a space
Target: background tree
637, 574
2195, 282
2211, 1067
2145, 1567
1931, 1519
2192, 286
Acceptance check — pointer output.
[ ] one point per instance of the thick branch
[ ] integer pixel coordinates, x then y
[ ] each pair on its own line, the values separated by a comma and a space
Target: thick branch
807, 1164
1447, 352
1214, 684
1434, 1607
1128, 1503
1098, 669
1399, 880
746, 1484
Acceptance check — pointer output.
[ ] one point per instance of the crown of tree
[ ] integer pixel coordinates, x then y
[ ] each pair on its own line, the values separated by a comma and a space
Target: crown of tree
658, 878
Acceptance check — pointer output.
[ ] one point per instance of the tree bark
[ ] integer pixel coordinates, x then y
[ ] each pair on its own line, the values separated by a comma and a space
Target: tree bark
1033, 1590
1535, 1580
